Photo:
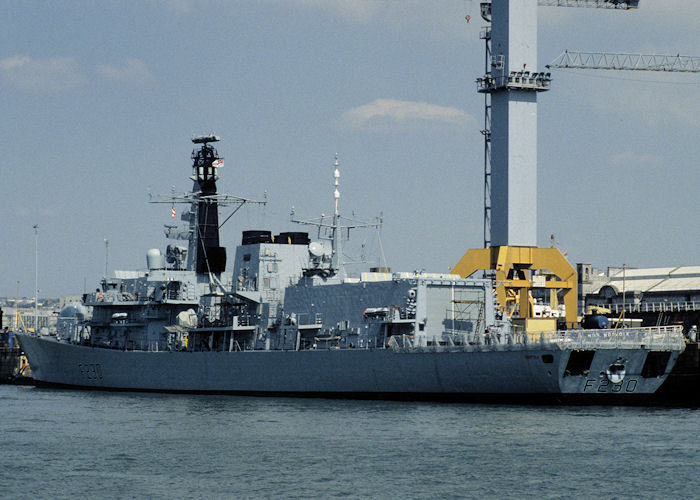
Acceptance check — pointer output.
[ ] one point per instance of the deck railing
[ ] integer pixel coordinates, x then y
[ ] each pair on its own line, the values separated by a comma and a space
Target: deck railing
651, 307
654, 337
661, 338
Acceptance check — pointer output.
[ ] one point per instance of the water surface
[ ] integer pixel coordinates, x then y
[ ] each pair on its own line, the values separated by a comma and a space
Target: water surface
73, 444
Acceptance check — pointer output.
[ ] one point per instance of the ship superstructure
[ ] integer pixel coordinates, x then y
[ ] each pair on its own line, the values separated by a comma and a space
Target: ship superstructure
153, 309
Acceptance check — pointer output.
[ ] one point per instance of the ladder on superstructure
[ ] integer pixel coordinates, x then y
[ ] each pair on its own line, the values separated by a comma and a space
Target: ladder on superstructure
463, 309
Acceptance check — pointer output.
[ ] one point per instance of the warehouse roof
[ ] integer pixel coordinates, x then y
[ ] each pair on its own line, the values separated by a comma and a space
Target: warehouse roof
656, 279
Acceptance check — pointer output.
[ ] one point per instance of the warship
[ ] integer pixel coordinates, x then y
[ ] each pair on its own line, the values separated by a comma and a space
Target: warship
289, 319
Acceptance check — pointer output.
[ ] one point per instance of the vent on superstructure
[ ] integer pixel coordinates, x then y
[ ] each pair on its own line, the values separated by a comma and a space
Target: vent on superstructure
256, 236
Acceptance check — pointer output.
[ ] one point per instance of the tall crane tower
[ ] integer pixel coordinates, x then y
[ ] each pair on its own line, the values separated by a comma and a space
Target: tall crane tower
510, 85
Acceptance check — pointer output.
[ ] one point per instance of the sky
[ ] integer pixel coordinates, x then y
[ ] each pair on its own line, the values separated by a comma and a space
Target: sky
99, 101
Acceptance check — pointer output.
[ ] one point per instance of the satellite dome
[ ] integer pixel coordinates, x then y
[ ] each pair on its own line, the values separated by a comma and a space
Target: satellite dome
68, 319
73, 310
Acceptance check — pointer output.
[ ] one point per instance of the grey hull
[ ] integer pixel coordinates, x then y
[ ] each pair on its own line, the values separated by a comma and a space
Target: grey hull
535, 371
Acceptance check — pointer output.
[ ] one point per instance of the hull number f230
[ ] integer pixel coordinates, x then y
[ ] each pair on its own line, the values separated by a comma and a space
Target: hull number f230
91, 371
593, 385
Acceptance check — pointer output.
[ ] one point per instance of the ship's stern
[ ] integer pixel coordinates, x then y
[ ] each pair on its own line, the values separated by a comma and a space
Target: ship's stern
615, 373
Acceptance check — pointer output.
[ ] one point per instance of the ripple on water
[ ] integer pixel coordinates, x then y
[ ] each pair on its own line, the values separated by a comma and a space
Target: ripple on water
180, 446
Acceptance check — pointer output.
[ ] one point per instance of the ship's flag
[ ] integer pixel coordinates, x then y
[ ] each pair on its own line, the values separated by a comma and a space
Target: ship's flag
172, 211
217, 163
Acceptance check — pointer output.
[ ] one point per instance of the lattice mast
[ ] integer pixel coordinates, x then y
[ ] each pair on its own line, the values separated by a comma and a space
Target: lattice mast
338, 229
204, 253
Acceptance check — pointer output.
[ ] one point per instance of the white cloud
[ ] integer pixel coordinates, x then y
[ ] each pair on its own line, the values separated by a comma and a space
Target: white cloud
391, 111
131, 71
47, 75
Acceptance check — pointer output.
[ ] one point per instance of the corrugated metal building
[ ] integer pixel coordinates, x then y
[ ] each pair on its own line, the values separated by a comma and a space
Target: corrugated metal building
661, 295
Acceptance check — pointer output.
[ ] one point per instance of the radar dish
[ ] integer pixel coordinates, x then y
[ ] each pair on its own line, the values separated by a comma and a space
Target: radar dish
316, 248
203, 139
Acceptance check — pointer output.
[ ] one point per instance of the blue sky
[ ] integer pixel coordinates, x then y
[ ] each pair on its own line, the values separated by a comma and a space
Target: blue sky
99, 101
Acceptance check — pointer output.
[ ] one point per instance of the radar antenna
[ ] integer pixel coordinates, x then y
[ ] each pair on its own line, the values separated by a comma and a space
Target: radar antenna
337, 230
